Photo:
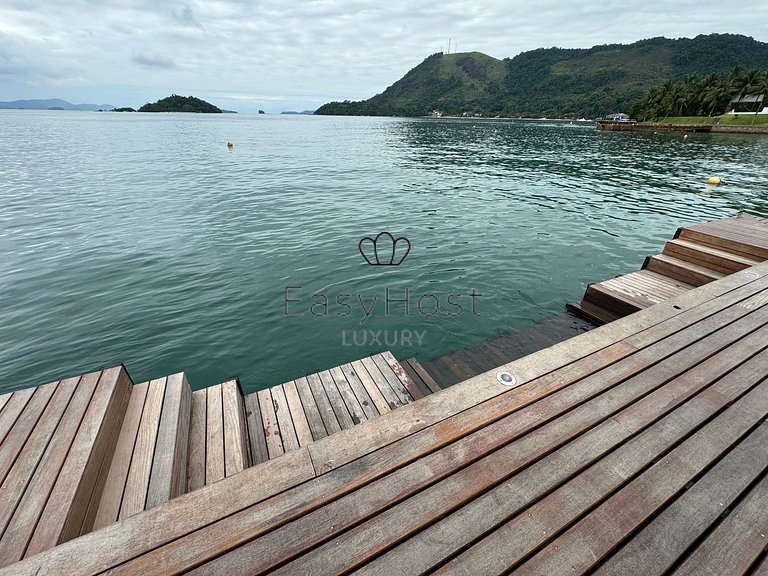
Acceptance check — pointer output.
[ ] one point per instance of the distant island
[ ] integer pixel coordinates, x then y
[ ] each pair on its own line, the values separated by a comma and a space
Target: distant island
176, 103
554, 82
52, 104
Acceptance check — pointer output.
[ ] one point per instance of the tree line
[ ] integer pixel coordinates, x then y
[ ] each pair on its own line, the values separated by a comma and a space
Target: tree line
710, 95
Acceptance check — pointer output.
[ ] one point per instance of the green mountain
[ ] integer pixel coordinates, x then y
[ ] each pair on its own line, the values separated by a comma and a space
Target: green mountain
554, 82
176, 103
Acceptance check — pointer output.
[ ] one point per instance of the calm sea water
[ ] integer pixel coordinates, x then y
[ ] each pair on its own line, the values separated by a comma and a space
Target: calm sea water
143, 239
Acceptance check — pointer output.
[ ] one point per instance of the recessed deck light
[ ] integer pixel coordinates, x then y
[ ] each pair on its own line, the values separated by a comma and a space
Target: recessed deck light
506, 378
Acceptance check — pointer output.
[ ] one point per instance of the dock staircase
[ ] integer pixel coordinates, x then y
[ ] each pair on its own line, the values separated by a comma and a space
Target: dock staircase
696, 256
82, 453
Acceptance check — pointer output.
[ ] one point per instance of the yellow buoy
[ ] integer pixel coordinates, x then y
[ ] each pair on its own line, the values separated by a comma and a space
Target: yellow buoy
714, 180
230, 144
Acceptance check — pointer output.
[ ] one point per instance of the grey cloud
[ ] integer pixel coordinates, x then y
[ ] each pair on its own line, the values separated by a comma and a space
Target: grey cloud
153, 61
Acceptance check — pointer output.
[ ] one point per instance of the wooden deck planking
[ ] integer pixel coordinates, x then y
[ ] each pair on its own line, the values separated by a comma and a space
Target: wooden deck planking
311, 409
256, 437
236, 452
707, 257
327, 413
390, 395
271, 426
196, 458
298, 414
137, 483
400, 424
392, 379
66, 511
381, 402
231, 527
112, 497
284, 419
367, 404
431, 505
424, 375
353, 404
340, 409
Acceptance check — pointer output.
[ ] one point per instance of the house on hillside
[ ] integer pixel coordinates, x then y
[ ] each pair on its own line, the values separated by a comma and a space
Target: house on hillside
748, 104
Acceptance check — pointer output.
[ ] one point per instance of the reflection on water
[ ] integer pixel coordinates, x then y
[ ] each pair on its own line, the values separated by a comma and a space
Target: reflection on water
143, 239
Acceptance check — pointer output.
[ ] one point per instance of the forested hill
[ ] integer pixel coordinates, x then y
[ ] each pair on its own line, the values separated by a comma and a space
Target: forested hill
554, 82
176, 103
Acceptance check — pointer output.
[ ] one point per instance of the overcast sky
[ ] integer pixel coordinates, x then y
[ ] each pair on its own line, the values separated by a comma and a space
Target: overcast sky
295, 55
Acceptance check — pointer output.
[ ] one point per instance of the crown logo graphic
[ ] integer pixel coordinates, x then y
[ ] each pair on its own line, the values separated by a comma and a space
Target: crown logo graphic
384, 250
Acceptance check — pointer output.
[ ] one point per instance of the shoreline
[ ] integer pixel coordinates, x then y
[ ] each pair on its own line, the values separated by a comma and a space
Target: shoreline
612, 126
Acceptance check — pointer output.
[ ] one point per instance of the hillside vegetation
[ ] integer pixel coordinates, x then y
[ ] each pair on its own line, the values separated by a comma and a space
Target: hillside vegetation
176, 103
555, 82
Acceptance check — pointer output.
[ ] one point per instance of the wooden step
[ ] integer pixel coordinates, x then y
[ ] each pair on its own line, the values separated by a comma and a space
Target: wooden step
677, 269
592, 312
743, 235
218, 435
149, 467
284, 418
56, 445
635, 291
707, 257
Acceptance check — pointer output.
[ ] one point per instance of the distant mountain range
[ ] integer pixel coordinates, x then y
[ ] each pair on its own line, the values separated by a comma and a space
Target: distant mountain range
554, 82
52, 104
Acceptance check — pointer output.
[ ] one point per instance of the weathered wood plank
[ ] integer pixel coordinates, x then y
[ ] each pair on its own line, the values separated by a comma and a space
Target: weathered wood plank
4, 398
167, 462
358, 369
311, 410
110, 547
392, 397
271, 426
215, 468
687, 272
10, 412
137, 484
417, 381
196, 460
92, 447
408, 384
424, 375
330, 420
739, 540
360, 391
24, 517
112, 497
671, 534
284, 419
258, 441
337, 403
299, 418
584, 544
23, 425
20, 474
235, 439
348, 396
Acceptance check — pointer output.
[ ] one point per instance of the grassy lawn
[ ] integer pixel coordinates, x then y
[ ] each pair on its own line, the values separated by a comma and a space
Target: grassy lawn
725, 120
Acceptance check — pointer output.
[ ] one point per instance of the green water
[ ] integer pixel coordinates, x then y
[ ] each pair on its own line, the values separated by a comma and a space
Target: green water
142, 239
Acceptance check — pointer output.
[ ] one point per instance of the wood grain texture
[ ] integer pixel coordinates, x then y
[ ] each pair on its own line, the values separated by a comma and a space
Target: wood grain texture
196, 460
284, 419
24, 518
311, 409
169, 459
235, 439
299, 418
327, 413
215, 467
271, 426
112, 497
393, 398
402, 376
358, 371
257, 440
338, 406
67, 507
137, 483
348, 396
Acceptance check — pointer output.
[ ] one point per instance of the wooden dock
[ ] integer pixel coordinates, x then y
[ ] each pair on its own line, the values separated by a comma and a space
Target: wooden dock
85, 452
634, 448
696, 256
